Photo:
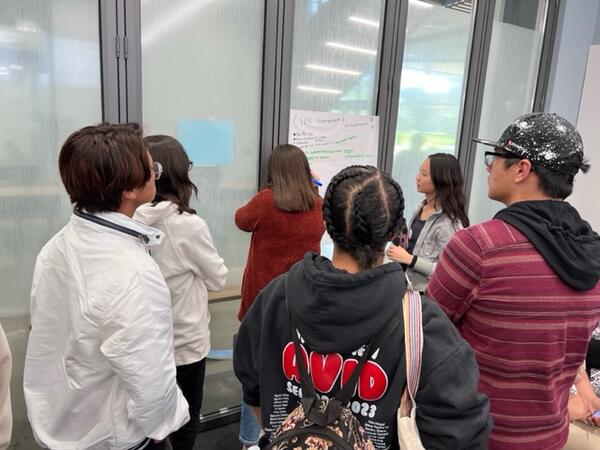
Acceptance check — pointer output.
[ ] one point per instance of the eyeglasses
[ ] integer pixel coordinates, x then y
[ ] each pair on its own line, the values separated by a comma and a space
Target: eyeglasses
157, 169
190, 165
491, 156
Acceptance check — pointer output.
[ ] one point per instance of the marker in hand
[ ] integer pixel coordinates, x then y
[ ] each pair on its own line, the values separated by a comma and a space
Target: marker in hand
316, 180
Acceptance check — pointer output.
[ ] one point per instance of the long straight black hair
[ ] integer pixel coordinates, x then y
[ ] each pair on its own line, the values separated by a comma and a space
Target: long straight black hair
174, 183
449, 186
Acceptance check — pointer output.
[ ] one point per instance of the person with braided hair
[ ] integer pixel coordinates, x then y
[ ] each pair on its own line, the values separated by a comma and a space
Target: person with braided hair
285, 220
337, 306
435, 220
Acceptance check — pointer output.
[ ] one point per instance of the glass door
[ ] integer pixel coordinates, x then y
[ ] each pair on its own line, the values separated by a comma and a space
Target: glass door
201, 83
512, 71
432, 85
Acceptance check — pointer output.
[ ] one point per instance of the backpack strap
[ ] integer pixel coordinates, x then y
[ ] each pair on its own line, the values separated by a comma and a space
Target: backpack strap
413, 343
310, 400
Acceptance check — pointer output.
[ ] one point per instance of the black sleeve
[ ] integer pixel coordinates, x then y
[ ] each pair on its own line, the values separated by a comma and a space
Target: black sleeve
246, 352
451, 413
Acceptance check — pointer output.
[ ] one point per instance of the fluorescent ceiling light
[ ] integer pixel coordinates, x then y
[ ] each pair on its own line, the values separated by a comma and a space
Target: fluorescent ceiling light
318, 89
371, 23
420, 3
332, 69
351, 48
27, 26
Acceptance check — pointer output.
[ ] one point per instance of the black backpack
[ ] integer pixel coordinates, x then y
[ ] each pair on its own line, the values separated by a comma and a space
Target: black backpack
321, 424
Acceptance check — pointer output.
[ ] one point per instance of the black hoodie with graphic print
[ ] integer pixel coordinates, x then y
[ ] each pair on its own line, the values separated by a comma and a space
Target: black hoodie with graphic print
337, 313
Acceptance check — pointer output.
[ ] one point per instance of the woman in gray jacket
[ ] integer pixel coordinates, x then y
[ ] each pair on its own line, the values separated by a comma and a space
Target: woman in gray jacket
436, 219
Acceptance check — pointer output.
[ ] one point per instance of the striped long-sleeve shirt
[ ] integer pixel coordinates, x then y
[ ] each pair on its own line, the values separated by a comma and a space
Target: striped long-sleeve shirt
528, 329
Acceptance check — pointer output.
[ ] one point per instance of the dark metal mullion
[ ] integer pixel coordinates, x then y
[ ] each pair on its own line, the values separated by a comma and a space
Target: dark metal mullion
388, 93
541, 88
132, 49
109, 63
121, 71
102, 45
276, 74
267, 111
285, 71
478, 59
126, 95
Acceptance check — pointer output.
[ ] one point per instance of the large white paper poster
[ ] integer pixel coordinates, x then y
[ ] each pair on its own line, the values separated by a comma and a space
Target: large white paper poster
334, 141
331, 142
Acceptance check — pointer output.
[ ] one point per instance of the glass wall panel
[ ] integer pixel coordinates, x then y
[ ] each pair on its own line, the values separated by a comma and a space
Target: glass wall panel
510, 81
49, 87
336, 55
201, 82
431, 88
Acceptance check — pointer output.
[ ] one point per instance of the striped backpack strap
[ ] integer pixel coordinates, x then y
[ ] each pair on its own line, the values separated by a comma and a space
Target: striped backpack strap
413, 343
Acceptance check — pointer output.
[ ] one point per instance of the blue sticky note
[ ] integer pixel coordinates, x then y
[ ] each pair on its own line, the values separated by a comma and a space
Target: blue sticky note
207, 142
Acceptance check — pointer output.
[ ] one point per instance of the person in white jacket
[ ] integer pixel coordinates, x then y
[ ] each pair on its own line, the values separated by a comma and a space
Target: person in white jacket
99, 369
191, 266
5, 405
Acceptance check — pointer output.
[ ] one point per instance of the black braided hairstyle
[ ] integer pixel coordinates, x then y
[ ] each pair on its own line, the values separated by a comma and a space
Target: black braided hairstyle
363, 210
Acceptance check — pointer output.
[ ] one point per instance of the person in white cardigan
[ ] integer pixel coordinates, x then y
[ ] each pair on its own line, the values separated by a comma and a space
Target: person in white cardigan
191, 266
435, 221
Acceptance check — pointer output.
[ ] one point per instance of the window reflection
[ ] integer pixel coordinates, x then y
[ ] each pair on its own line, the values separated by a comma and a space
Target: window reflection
431, 88
513, 64
336, 55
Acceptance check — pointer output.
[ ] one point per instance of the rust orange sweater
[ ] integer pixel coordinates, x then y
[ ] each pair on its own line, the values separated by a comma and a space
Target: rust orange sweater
279, 239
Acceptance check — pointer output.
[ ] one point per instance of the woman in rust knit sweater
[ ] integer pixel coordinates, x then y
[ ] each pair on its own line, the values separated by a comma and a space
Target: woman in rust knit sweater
285, 219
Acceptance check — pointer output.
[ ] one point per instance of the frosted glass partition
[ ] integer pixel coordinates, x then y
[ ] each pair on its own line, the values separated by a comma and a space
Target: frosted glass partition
49, 87
511, 77
336, 55
431, 89
201, 82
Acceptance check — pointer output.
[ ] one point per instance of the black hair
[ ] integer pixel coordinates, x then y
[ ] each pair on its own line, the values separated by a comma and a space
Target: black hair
449, 186
555, 183
363, 209
174, 183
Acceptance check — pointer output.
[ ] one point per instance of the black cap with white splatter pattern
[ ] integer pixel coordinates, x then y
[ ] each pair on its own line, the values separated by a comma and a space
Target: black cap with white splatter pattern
545, 139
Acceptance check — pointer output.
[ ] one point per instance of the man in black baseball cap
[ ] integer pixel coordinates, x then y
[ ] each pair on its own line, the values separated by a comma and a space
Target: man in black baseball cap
523, 287
550, 143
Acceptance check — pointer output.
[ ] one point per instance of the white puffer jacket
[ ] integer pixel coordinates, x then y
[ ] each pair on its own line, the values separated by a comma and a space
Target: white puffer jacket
99, 370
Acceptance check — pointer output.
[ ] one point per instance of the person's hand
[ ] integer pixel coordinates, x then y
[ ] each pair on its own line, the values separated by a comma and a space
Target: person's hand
399, 254
580, 409
596, 407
